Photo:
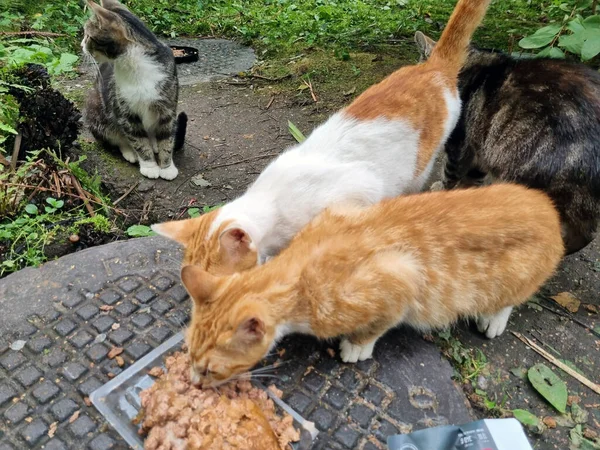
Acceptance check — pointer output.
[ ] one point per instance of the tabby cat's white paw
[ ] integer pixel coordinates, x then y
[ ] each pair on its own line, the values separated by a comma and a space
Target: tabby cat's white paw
150, 171
352, 353
129, 156
437, 186
169, 173
494, 326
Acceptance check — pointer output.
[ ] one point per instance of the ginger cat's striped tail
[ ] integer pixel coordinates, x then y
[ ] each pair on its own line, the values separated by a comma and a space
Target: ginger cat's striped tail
451, 50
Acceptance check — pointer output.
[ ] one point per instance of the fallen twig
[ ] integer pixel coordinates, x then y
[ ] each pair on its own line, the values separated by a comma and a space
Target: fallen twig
270, 103
268, 155
45, 189
310, 88
583, 380
564, 313
260, 77
15, 153
31, 33
83, 196
127, 192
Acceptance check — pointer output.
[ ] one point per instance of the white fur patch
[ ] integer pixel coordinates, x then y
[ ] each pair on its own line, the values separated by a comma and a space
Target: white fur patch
352, 353
137, 76
343, 160
169, 173
149, 169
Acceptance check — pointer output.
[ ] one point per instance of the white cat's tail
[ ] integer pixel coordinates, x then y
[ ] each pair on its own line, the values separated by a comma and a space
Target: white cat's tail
452, 48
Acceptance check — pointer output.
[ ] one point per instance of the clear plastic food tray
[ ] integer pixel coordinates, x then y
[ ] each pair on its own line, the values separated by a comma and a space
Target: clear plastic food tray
119, 399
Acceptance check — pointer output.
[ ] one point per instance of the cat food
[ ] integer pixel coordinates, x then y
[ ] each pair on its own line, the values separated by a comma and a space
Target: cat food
178, 416
178, 52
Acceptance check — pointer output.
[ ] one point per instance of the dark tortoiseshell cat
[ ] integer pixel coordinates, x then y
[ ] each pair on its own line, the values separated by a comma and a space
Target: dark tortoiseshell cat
134, 101
534, 122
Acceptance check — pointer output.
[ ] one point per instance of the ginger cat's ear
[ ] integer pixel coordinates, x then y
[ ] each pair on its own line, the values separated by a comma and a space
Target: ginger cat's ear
178, 230
251, 330
199, 283
236, 245
424, 44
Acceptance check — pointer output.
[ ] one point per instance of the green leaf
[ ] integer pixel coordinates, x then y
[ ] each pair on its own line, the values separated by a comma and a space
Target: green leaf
139, 231
31, 209
526, 418
591, 46
296, 132
540, 38
549, 385
575, 26
8, 128
579, 414
206, 209
49, 209
551, 52
194, 212
572, 43
592, 22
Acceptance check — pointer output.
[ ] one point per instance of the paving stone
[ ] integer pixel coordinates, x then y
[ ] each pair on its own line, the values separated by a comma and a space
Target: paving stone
349, 380
373, 394
34, 431
55, 357
45, 391
65, 326
361, 414
313, 381
11, 360
336, 397
145, 295
163, 283
160, 333
160, 306
366, 366
25, 329
89, 386
51, 315
55, 444
137, 349
82, 426
126, 308
102, 442
178, 293
128, 284
142, 320
28, 376
97, 352
327, 366
74, 370
16, 412
81, 338
384, 429
72, 301
299, 402
120, 336
179, 318
63, 409
110, 297
323, 418
346, 436
371, 446
6, 446
111, 366
6, 393
88, 311
39, 344
103, 323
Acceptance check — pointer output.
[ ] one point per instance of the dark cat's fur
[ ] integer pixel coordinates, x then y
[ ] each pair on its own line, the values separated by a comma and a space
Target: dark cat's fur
534, 122
134, 101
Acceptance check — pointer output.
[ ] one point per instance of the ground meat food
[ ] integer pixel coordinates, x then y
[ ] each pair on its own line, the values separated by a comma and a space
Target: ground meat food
237, 416
178, 52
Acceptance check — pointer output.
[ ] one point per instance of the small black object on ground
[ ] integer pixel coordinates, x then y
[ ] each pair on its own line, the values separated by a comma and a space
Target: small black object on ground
184, 54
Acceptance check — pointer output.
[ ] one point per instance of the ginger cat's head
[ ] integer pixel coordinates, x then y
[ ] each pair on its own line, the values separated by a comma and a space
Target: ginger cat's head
222, 251
230, 331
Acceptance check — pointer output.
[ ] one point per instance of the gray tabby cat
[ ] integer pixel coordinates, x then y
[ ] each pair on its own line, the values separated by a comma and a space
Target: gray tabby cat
134, 100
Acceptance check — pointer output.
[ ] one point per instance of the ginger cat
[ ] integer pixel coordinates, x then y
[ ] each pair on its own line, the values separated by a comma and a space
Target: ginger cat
425, 260
383, 145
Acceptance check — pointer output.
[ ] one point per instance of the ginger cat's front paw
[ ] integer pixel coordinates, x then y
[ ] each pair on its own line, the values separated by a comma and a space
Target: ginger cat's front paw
352, 353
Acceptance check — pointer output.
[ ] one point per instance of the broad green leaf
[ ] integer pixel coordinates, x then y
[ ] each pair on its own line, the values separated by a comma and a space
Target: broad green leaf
194, 212
592, 22
551, 52
575, 26
296, 132
540, 38
139, 231
31, 209
591, 47
549, 385
7, 128
526, 418
572, 43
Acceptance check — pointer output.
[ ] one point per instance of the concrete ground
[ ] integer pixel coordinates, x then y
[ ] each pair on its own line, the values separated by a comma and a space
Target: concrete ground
236, 127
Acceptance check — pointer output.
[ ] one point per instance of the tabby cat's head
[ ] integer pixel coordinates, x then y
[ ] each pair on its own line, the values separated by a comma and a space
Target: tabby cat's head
221, 251
112, 30
230, 331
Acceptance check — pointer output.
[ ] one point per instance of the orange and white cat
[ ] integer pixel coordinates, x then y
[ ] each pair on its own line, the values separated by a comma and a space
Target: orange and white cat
383, 145
425, 260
